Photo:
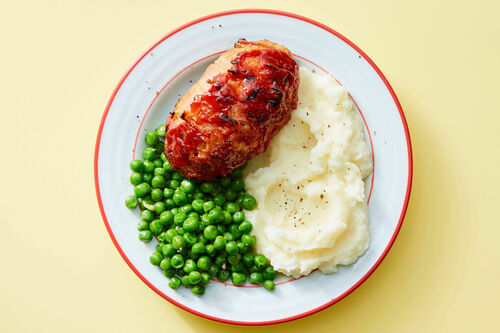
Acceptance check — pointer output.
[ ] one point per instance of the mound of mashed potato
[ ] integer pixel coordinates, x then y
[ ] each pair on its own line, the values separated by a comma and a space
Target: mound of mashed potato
312, 210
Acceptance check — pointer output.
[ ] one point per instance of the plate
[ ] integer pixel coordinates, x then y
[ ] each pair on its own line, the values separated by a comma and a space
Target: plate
147, 94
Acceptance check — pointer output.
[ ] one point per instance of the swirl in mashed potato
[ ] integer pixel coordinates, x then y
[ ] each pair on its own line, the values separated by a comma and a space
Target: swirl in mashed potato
309, 183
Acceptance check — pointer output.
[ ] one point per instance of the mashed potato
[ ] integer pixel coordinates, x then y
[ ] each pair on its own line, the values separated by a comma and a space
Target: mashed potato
309, 184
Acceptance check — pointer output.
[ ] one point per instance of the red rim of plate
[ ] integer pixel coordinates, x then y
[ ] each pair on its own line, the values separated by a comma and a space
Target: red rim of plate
408, 187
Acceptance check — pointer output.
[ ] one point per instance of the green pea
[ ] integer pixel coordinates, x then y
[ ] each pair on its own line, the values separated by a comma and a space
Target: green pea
210, 249
137, 165
204, 263
233, 229
147, 177
221, 228
156, 194
186, 282
215, 216
239, 267
180, 198
234, 259
180, 272
238, 185
177, 176
169, 235
187, 186
165, 264
208, 205
155, 227
170, 273
149, 153
242, 248
223, 275
202, 238
178, 242
159, 207
219, 242
228, 236
175, 282
168, 250
148, 166
177, 261
194, 277
197, 205
181, 231
159, 172
198, 290
169, 203
232, 207
210, 232
147, 203
166, 218
245, 227
143, 225
225, 181
254, 268
238, 217
168, 192
186, 208
269, 273
231, 247
190, 224
142, 190
175, 210
156, 258
163, 157
152, 138
256, 278
189, 266
247, 259
131, 202
145, 235
161, 131
159, 247
220, 260
205, 220
239, 200
179, 218
194, 216
198, 248
205, 279
135, 178
269, 285
219, 199
158, 165
238, 173
206, 187
213, 270
190, 238
228, 218
198, 195
248, 202
248, 240
167, 166
147, 215
230, 195
158, 181
173, 184
260, 261
238, 278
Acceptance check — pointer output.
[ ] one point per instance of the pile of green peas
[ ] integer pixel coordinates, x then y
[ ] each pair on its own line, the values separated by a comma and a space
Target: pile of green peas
200, 226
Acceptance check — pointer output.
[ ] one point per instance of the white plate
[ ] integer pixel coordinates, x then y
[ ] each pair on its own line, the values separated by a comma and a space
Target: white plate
148, 92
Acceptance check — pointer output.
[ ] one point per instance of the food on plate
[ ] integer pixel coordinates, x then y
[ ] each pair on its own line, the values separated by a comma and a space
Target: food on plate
304, 204
200, 226
230, 115
312, 209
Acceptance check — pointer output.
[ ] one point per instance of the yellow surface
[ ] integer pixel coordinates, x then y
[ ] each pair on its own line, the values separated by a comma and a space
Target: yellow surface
60, 61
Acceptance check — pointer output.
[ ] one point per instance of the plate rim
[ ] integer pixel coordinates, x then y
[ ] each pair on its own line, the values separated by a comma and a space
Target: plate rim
408, 187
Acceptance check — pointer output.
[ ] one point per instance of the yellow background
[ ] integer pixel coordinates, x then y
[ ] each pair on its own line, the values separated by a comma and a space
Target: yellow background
61, 60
